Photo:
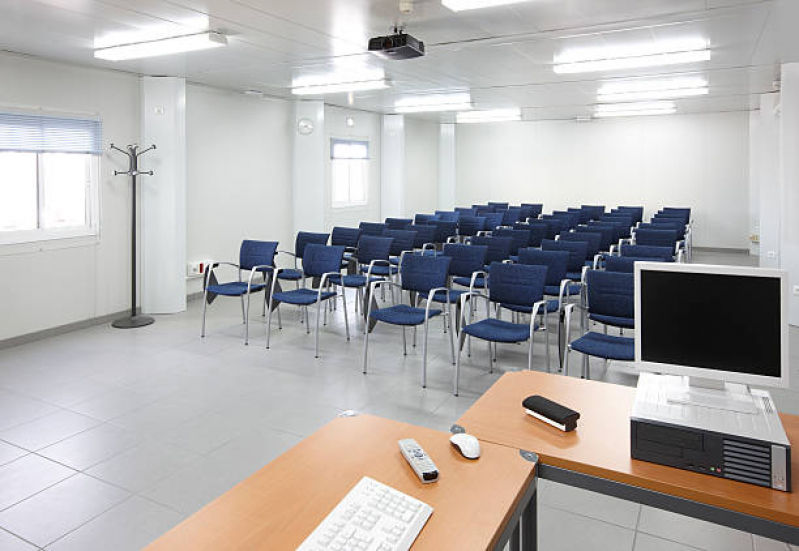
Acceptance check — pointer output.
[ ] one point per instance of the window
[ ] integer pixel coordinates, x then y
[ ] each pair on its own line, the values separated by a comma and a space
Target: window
48, 177
349, 172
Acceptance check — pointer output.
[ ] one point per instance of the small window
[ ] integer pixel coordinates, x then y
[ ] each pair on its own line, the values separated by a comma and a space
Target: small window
48, 177
349, 176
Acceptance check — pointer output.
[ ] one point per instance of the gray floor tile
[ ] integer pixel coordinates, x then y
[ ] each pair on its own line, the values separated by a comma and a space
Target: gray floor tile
765, 544
691, 531
47, 430
28, 475
645, 542
161, 415
16, 409
91, 447
73, 392
554, 533
131, 525
205, 432
112, 404
10, 542
609, 509
52, 513
9, 453
142, 466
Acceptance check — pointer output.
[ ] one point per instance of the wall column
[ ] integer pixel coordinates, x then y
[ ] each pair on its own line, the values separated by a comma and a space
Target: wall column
308, 174
163, 195
768, 163
447, 176
392, 167
789, 203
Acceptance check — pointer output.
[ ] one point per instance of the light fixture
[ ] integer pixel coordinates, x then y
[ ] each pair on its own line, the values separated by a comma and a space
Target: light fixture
489, 115
348, 79
586, 60
461, 101
350, 121
163, 46
354, 86
639, 90
254, 93
635, 109
461, 5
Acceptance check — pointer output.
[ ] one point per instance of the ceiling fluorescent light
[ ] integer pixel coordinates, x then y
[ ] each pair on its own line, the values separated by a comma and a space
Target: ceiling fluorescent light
337, 87
653, 89
164, 46
461, 5
490, 115
636, 109
586, 60
433, 102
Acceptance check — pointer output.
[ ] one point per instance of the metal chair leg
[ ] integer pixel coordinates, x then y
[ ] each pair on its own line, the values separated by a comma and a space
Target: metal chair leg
344, 307
566, 361
269, 323
530, 351
365, 351
279, 319
490, 353
546, 340
247, 322
307, 322
585, 367
424, 355
404, 342
452, 342
318, 317
243, 318
205, 307
457, 374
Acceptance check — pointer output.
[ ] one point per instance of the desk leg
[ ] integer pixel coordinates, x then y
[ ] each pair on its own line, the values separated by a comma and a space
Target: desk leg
515, 538
529, 524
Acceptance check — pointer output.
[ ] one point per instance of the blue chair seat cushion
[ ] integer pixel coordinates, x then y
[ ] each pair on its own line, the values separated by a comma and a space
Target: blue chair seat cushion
554, 290
290, 275
552, 306
495, 330
351, 280
234, 288
402, 314
381, 270
479, 282
609, 347
454, 296
394, 260
575, 276
302, 297
615, 321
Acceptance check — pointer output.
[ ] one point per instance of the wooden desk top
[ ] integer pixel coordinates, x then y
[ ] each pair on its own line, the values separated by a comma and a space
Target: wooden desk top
600, 446
280, 505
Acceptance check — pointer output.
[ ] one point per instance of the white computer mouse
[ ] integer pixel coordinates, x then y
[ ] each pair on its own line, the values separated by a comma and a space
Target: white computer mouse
468, 445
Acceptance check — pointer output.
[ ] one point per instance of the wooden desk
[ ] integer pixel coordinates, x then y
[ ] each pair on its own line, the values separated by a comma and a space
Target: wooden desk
476, 503
596, 456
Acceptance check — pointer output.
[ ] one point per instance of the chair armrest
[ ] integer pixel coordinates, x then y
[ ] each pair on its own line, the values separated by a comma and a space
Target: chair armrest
373, 286
680, 256
564, 285
567, 314
255, 270
475, 275
536, 308
431, 293
583, 275
326, 276
599, 257
613, 249
286, 252
483, 233
468, 295
452, 239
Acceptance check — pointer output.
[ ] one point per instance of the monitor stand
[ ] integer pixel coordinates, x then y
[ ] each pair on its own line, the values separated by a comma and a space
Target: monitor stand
711, 393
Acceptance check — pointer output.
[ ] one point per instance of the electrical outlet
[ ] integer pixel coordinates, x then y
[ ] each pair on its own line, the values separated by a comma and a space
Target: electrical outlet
796, 289
195, 269
771, 254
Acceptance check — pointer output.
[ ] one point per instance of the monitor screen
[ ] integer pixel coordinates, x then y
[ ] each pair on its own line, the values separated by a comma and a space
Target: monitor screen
718, 321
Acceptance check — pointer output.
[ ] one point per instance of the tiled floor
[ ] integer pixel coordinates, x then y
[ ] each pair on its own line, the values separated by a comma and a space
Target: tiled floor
108, 438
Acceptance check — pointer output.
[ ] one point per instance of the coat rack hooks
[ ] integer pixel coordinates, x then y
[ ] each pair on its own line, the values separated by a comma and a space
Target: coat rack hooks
134, 319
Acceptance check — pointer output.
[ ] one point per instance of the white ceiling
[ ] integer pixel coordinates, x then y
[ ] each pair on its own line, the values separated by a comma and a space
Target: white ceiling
502, 55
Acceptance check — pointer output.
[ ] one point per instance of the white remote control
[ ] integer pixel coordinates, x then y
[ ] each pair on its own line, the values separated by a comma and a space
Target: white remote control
419, 461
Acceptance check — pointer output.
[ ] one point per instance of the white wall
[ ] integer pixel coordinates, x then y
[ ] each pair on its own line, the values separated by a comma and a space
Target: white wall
239, 173
421, 166
55, 283
367, 127
392, 166
699, 161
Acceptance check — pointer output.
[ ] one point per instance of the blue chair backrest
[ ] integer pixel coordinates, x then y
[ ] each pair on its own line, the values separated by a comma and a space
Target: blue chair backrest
466, 259
402, 241
571, 218
518, 284
538, 231
482, 211
423, 273
525, 213
444, 229
398, 223
611, 293
498, 247
577, 252
648, 251
626, 264
372, 247
423, 218
470, 225
305, 238
638, 212
519, 238
535, 209
493, 220
594, 211
554, 225
466, 210
257, 253
424, 235
502, 206
606, 234
555, 261
624, 222
448, 216
322, 259
614, 231
371, 228
685, 212
666, 224
591, 239
656, 238
511, 216
346, 237
583, 216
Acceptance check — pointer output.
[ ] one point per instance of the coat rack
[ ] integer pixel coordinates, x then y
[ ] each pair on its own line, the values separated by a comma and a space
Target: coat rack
133, 154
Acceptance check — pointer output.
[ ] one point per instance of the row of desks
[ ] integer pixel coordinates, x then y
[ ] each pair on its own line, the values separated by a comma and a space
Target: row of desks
487, 503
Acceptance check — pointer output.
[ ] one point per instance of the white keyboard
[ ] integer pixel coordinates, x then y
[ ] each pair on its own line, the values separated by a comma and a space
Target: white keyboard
371, 517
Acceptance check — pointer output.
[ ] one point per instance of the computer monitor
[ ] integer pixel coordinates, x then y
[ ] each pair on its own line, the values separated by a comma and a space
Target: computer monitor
717, 325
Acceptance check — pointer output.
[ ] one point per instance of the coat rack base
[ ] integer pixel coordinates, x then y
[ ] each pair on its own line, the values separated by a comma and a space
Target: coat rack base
132, 322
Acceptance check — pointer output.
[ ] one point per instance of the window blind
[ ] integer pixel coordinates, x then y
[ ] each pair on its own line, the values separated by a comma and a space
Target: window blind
46, 134
348, 149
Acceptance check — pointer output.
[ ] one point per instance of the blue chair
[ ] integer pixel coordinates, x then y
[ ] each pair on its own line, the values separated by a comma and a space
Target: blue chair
610, 301
572, 219
303, 239
595, 212
577, 254
555, 226
498, 247
403, 242
371, 257
425, 235
609, 232
420, 219
469, 226
511, 216
498, 206
648, 252
624, 221
467, 265
538, 231
347, 238
448, 216
583, 216
255, 257
371, 228
556, 284
493, 220
626, 264
659, 238
591, 239
444, 231
637, 212
398, 223
423, 276
519, 240
525, 213
509, 284
322, 262
466, 211
535, 209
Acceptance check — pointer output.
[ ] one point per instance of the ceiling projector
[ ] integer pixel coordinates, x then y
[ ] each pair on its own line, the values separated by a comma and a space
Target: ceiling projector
396, 46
